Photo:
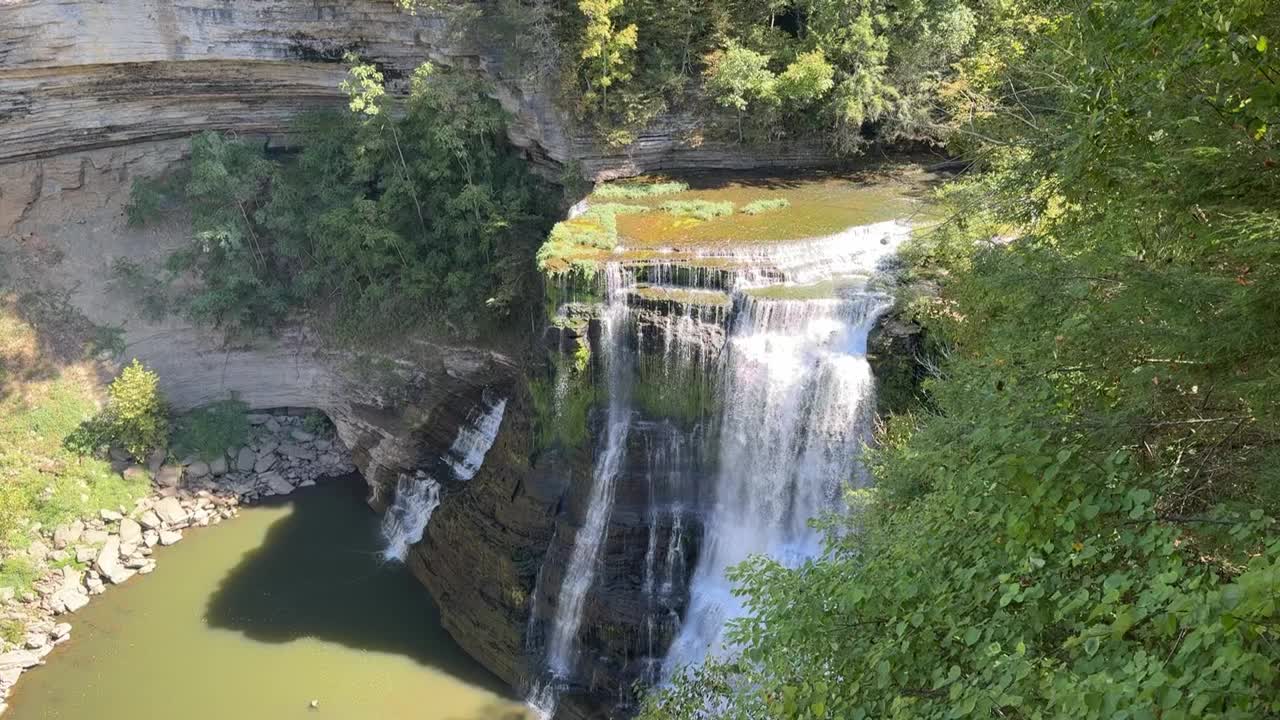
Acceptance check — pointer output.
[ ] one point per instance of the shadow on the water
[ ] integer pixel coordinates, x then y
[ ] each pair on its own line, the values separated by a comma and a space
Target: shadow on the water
319, 574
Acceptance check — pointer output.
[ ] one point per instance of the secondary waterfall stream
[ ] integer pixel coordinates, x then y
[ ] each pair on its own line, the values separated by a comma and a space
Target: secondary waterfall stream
791, 396
417, 496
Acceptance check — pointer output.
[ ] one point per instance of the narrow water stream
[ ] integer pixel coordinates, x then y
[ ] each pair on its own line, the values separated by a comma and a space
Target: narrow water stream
288, 603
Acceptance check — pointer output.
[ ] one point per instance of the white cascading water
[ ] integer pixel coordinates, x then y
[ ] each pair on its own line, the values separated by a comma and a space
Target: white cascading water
417, 497
474, 439
581, 571
796, 393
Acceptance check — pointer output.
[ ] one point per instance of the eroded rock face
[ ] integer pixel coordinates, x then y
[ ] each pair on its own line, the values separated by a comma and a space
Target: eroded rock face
81, 76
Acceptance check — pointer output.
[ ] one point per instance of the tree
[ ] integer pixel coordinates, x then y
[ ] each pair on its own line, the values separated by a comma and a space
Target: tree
607, 50
806, 80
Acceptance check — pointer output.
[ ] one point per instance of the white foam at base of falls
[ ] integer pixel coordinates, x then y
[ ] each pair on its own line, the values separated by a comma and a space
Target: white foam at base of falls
474, 439
417, 497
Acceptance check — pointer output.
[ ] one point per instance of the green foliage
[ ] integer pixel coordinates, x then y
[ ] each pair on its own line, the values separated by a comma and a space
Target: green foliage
574, 244
19, 573
136, 417
738, 77
756, 207
211, 430
13, 630
317, 423
637, 191
700, 209
1080, 524
383, 220
41, 480
151, 198
562, 407
680, 391
148, 291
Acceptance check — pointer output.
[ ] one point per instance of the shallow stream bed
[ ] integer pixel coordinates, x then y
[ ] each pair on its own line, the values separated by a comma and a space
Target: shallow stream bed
254, 619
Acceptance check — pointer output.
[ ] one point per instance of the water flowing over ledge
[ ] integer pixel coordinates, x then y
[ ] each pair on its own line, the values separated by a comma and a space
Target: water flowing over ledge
418, 496
740, 397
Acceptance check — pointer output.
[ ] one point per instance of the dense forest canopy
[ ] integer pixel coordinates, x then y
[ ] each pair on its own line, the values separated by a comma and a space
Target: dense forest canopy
758, 70
1077, 520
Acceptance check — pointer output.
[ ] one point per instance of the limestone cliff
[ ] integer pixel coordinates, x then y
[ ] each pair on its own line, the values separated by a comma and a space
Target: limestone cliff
78, 75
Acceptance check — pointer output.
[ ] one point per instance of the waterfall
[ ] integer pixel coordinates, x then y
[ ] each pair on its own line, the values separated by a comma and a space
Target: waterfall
583, 561
417, 497
796, 389
474, 439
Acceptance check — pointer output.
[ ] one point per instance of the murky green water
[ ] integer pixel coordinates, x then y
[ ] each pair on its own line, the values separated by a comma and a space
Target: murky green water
254, 619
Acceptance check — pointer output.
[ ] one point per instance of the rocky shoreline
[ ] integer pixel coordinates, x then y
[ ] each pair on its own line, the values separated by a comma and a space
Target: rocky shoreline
83, 558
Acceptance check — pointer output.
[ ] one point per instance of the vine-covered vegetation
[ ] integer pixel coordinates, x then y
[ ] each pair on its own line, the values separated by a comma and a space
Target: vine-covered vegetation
390, 215
1079, 522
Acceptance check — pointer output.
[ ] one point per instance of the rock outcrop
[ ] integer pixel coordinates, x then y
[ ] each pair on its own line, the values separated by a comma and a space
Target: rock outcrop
80, 76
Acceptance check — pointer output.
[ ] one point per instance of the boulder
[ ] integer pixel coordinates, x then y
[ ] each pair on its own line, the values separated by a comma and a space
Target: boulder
257, 418
130, 532
301, 435
297, 452
136, 474
265, 462
69, 598
246, 459
7, 593
69, 534
218, 466
169, 476
156, 459
169, 537
277, 483
110, 515
18, 659
108, 562
84, 554
171, 512
150, 538
37, 551
149, 520
197, 468
95, 536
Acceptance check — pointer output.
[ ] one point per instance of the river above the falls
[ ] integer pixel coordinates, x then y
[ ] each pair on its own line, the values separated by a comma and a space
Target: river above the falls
288, 603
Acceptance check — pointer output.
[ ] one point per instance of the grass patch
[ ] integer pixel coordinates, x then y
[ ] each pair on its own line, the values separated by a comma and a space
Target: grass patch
210, 430
19, 573
762, 206
44, 399
577, 244
13, 630
638, 190
700, 209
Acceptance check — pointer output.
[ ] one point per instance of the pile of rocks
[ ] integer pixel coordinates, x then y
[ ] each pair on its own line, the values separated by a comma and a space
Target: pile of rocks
82, 558
281, 457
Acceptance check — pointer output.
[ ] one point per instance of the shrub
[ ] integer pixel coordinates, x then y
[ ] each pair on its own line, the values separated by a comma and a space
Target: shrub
136, 417
210, 430
18, 573
700, 209
760, 206
317, 423
13, 630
